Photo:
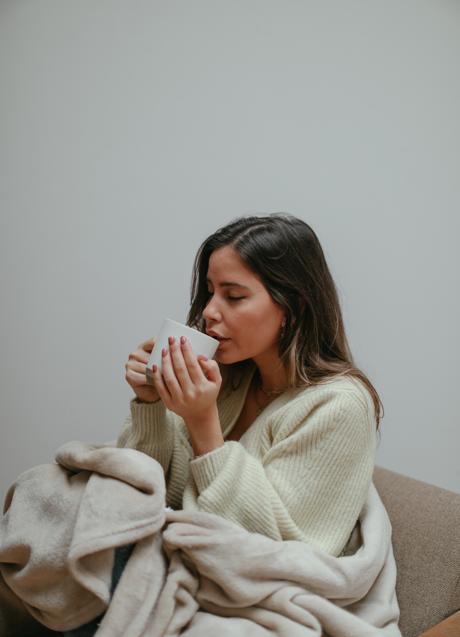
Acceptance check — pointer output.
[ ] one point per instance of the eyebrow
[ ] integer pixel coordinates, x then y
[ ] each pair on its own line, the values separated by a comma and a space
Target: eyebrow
226, 284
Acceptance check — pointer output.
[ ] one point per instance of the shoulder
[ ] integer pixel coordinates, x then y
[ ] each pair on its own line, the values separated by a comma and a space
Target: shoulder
341, 406
342, 392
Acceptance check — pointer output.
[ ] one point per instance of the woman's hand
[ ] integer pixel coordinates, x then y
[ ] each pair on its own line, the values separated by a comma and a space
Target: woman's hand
135, 372
188, 385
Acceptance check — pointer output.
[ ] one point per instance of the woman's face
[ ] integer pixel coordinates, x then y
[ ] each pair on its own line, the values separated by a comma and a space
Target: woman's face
243, 312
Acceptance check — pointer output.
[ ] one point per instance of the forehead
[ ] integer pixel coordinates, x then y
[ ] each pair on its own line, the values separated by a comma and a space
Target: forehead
225, 264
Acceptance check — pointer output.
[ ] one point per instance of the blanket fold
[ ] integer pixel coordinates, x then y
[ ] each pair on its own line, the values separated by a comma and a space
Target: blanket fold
191, 573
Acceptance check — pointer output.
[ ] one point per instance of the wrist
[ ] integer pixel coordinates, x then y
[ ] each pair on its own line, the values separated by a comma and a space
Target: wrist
201, 448
205, 432
206, 419
145, 402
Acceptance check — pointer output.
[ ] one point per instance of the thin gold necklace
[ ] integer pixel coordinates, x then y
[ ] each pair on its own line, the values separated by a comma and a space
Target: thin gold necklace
257, 384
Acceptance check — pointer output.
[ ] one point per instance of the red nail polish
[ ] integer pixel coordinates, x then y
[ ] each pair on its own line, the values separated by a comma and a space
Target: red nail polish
154, 368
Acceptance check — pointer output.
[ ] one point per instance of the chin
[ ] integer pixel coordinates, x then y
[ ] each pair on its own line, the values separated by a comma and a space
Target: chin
227, 359
222, 357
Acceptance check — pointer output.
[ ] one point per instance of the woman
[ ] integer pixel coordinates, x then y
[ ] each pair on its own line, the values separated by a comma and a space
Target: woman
281, 435
279, 432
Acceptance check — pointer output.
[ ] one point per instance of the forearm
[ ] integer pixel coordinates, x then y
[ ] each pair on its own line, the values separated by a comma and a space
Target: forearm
232, 483
160, 433
331, 456
150, 429
205, 432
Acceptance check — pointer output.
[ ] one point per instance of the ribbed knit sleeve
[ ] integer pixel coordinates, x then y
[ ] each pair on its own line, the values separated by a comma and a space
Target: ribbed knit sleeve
156, 431
148, 429
311, 481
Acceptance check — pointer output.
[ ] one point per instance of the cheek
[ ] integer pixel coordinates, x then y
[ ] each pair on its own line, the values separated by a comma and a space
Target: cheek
263, 326
251, 330
252, 323
247, 322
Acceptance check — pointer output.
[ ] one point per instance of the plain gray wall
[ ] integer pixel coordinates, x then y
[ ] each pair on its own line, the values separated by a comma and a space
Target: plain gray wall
132, 130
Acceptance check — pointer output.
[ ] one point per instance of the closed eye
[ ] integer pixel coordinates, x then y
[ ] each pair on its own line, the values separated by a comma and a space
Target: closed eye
230, 298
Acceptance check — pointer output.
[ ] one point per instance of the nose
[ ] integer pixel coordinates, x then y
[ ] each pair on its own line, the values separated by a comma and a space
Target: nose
211, 312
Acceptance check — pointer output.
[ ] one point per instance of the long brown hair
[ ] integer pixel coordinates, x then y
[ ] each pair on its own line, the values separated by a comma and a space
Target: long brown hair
285, 253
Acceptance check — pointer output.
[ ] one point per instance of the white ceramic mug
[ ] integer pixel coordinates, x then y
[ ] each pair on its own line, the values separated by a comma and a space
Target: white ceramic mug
201, 343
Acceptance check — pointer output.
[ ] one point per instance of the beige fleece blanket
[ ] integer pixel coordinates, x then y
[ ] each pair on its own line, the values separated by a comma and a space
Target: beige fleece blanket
192, 574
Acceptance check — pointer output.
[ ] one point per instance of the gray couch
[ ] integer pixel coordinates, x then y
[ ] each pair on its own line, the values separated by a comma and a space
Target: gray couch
426, 542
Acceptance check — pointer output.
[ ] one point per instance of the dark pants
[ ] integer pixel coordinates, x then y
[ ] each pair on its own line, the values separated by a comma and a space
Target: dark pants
122, 554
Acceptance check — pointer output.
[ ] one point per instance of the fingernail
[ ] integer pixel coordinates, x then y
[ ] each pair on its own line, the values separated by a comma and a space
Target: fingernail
202, 357
164, 351
154, 368
182, 340
171, 340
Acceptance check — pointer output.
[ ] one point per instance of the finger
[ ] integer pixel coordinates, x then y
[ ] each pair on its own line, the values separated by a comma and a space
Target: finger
194, 369
168, 374
137, 366
136, 378
139, 355
161, 387
211, 369
147, 345
179, 364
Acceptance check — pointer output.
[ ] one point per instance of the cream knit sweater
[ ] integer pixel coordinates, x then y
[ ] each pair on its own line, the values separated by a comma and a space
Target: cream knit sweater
300, 472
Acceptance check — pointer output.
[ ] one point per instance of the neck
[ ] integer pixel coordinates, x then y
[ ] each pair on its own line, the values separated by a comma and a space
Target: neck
263, 397
270, 385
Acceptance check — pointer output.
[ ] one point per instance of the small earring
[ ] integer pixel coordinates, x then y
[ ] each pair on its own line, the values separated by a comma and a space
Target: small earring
283, 325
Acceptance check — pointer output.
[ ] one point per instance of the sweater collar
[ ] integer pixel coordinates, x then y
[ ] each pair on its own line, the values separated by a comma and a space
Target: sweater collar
231, 407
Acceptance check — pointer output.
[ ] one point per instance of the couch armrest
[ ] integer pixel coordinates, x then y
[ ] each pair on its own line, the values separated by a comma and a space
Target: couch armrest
449, 627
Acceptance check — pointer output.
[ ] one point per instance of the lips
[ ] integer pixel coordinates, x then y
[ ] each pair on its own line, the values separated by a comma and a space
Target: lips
217, 336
